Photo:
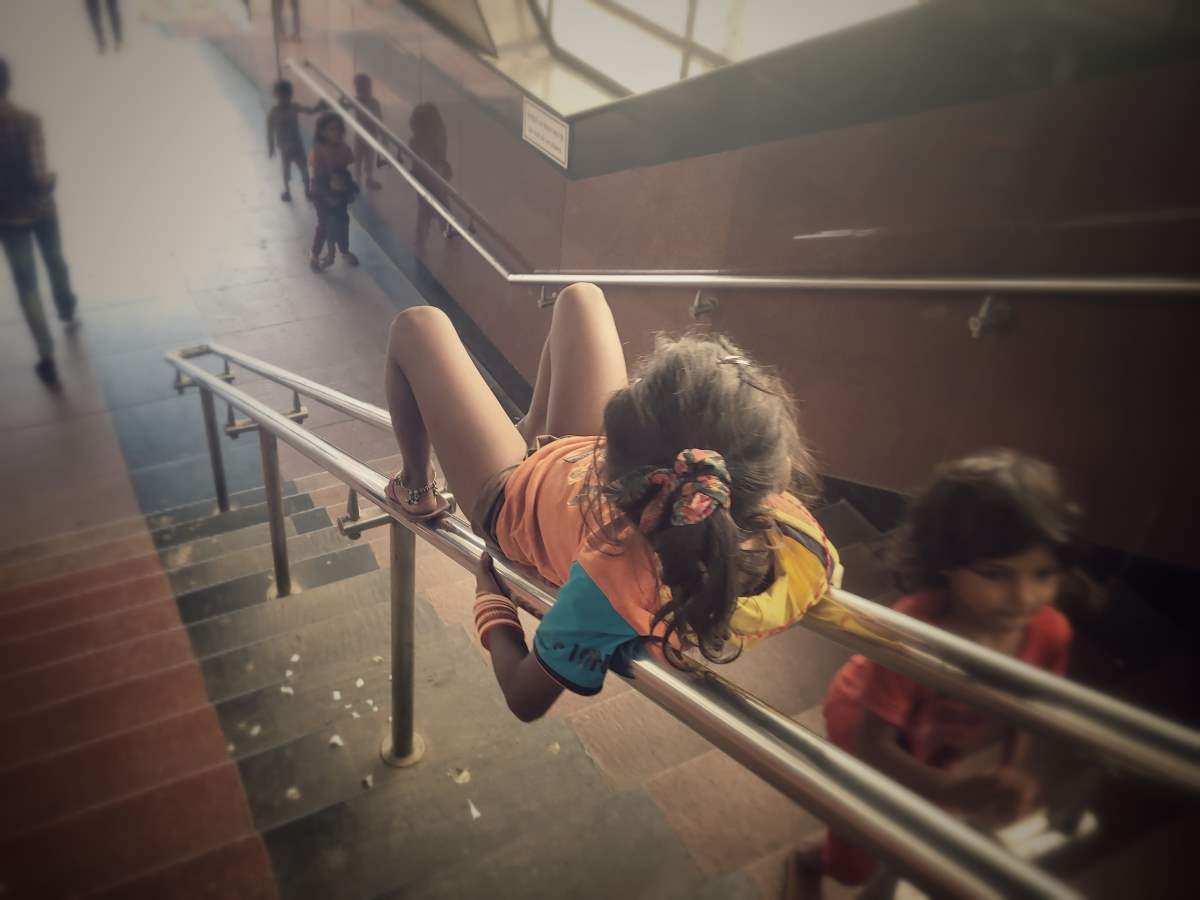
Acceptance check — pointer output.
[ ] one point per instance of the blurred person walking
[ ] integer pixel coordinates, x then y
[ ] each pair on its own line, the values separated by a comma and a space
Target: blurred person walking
277, 16
28, 214
114, 22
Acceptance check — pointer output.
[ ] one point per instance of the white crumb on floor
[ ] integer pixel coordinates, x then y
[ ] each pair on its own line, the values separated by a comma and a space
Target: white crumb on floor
255, 731
368, 781
292, 793
295, 657
376, 659
475, 813
286, 689
358, 682
337, 695
336, 741
459, 776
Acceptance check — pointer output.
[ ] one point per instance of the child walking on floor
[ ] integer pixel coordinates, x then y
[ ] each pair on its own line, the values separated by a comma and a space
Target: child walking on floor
983, 552
662, 507
333, 190
283, 132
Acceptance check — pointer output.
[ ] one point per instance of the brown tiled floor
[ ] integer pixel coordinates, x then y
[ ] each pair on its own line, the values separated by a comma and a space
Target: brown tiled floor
240, 869
108, 845
88, 604
87, 636
102, 668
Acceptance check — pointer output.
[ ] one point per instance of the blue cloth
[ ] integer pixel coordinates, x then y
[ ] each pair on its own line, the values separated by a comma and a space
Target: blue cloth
582, 636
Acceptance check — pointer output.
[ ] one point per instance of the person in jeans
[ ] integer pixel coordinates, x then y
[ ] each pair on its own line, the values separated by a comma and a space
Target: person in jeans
28, 214
114, 21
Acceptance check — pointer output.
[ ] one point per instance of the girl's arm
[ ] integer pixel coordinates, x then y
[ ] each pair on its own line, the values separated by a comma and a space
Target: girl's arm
527, 688
996, 796
879, 746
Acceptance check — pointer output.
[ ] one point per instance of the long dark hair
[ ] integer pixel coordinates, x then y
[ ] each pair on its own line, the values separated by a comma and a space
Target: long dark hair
702, 392
989, 505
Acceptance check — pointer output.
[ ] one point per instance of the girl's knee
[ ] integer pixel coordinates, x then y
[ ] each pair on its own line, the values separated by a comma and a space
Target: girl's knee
581, 297
418, 320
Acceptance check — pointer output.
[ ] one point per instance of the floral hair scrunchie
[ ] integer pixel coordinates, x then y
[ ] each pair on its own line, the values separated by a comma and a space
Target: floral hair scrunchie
698, 484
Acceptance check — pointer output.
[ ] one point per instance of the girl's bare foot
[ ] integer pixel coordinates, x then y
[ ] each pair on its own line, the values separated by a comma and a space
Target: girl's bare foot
420, 502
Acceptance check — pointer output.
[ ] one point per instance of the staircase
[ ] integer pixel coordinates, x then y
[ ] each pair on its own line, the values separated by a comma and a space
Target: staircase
169, 731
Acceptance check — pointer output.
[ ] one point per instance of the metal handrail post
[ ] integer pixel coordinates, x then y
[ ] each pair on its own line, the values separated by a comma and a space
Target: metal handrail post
269, 448
213, 434
403, 747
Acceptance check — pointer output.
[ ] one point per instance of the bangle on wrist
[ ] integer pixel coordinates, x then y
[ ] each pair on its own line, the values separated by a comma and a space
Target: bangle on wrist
494, 611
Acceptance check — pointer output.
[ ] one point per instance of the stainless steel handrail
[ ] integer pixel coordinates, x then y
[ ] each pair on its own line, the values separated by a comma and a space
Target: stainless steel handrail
710, 279
918, 838
1021, 693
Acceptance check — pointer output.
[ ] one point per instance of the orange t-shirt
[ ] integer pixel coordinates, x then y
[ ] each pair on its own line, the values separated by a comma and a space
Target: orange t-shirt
542, 523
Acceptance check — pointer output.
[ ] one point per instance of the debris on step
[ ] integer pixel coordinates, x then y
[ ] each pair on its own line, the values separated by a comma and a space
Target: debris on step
368, 782
475, 813
355, 715
256, 731
295, 657
288, 673
554, 747
459, 776
358, 682
287, 689
337, 695
376, 659
336, 741
232, 749
292, 793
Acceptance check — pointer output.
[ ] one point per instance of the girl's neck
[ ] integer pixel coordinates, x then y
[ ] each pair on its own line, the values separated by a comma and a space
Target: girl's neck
957, 621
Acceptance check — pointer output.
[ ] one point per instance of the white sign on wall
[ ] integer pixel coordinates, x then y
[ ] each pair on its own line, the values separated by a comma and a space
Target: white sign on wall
546, 131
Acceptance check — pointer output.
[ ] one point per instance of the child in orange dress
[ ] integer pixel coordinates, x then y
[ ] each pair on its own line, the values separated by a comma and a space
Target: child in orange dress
664, 508
983, 552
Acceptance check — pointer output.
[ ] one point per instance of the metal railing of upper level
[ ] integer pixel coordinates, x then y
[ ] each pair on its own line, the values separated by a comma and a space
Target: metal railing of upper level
917, 838
322, 84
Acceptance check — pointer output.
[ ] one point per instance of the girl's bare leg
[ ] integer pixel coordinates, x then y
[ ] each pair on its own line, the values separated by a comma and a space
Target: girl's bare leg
591, 366
435, 392
534, 422
584, 361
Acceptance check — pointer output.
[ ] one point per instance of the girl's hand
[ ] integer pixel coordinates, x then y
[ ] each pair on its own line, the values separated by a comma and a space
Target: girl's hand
485, 578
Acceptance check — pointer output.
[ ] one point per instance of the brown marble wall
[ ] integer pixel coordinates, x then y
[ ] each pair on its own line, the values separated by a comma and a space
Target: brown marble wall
1095, 178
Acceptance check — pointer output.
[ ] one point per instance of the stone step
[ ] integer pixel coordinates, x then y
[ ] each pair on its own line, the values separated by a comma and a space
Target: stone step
206, 548
192, 529
844, 525
867, 572
282, 718
205, 509
259, 587
619, 846
355, 636
418, 821
253, 559
266, 620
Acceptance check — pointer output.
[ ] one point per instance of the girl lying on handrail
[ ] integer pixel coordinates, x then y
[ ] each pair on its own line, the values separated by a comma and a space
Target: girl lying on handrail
661, 507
